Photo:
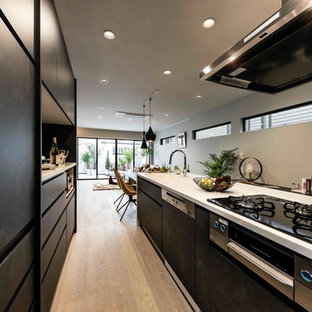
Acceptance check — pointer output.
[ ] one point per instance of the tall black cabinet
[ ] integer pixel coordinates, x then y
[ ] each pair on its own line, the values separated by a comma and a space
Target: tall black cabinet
26, 66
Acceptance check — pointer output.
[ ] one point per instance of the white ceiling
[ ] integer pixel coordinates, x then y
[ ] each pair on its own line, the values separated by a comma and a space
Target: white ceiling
152, 36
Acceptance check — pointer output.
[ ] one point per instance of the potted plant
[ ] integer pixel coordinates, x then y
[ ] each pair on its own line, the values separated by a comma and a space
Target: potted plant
121, 164
128, 154
86, 158
217, 168
92, 153
107, 162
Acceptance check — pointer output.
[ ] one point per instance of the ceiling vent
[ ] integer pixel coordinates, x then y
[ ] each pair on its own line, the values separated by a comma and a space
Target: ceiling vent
119, 114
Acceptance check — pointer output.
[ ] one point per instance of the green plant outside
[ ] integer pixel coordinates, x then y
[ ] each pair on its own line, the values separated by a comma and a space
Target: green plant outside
86, 157
121, 163
128, 156
107, 162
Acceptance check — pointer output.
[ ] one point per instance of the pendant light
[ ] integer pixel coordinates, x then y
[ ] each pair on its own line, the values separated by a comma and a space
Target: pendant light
144, 145
150, 135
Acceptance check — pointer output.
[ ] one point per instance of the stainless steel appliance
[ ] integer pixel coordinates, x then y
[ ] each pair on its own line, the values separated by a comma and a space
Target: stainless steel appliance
178, 242
290, 217
286, 272
275, 56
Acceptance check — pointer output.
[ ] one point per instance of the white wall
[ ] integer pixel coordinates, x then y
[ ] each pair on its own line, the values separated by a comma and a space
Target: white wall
285, 152
108, 134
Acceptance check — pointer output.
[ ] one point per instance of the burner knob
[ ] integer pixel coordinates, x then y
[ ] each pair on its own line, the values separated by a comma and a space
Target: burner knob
215, 224
222, 228
306, 275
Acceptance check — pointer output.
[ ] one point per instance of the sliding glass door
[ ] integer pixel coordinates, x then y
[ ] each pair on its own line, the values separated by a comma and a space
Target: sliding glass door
106, 157
140, 155
125, 155
98, 157
87, 152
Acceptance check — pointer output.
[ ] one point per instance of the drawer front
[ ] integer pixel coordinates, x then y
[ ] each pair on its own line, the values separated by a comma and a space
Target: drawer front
51, 244
50, 218
149, 213
303, 296
232, 289
150, 189
52, 190
25, 296
14, 268
49, 284
70, 211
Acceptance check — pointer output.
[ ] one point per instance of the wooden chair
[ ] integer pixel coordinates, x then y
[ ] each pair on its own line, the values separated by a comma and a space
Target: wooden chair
127, 190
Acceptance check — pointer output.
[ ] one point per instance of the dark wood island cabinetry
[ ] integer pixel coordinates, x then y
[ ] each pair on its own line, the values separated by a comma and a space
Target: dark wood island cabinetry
210, 279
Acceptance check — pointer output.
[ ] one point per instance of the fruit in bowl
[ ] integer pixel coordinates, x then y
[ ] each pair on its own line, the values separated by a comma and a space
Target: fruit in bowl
207, 184
214, 185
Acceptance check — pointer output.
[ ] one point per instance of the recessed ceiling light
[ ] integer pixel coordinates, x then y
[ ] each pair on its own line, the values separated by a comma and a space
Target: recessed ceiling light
101, 107
129, 119
232, 58
166, 115
208, 23
100, 117
198, 96
104, 81
167, 72
109, 35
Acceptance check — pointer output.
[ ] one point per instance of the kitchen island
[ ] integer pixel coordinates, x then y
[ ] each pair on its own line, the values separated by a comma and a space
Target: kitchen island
178, 220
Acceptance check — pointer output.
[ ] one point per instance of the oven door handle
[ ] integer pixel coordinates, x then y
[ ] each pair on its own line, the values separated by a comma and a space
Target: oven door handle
265, 270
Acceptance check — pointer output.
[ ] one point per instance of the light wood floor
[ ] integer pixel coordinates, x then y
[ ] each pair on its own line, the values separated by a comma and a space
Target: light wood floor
111, 265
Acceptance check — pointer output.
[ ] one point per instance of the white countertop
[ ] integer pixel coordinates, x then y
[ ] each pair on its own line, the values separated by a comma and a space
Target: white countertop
186, 188
49, 174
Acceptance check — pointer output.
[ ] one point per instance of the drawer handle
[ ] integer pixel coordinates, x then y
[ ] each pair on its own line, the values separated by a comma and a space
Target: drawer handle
306, 275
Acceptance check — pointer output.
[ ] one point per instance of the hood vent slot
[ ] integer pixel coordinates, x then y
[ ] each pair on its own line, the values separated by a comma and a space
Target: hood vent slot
235, 82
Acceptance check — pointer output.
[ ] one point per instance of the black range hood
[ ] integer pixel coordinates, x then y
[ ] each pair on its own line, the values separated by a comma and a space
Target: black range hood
274, 57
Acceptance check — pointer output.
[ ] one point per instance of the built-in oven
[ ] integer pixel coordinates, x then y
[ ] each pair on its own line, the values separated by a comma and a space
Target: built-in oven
255, 273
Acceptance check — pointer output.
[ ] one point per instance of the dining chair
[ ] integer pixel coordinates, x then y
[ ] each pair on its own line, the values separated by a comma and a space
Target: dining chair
127, 190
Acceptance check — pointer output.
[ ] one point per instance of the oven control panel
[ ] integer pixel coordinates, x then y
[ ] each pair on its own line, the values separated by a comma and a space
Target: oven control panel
219, 233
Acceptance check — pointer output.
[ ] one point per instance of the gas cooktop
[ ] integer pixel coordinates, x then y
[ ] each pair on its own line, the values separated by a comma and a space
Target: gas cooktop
290, 217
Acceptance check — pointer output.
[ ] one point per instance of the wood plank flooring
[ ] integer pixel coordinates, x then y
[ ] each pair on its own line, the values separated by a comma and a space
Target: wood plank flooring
111, 265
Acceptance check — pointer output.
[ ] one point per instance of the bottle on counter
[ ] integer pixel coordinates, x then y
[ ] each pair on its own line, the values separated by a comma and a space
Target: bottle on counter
306, 186
54, 152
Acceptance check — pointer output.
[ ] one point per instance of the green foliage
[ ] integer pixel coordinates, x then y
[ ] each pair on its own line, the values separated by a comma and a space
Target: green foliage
121, 163
219, 165
91, 149
147, 151
86, 157
128, 156
107, 162
164, 168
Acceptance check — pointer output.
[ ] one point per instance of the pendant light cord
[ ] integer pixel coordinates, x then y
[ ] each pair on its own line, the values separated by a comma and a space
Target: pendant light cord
150, 112
143, 117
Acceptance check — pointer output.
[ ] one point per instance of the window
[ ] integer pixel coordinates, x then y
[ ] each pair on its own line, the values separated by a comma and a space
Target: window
214, 131
98, 157
168, 140
284, 117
